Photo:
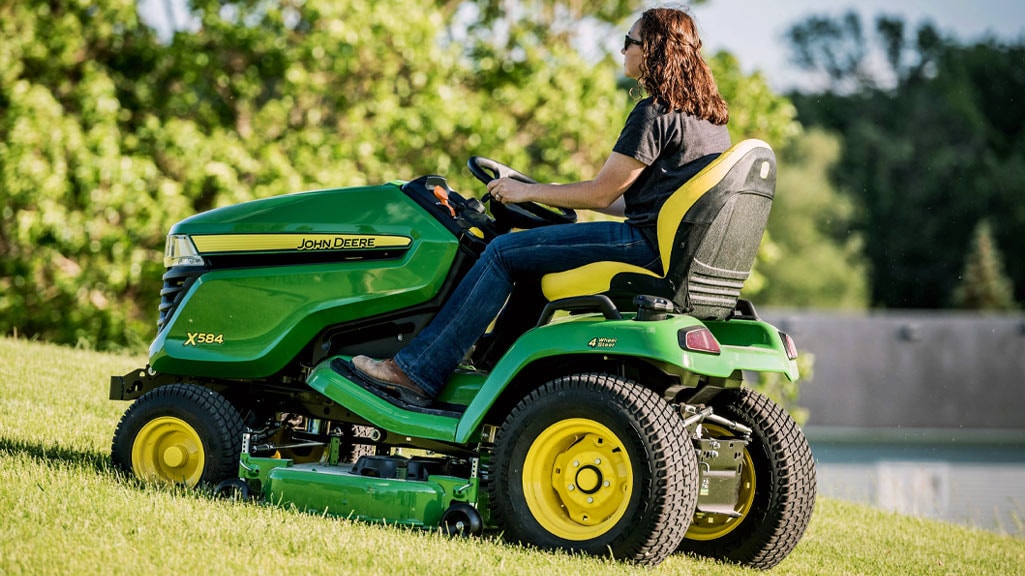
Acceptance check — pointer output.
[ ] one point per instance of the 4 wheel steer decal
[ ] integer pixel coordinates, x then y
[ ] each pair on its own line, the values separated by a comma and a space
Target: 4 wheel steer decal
602, 343
200, 338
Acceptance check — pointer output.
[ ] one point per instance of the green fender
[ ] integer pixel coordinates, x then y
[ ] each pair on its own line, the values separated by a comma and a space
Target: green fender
746, 345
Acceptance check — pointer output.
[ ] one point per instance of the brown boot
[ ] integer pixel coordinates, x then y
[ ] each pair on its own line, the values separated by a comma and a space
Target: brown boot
386, 374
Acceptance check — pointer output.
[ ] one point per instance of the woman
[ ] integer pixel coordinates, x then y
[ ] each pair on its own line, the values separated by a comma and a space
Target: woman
668, 137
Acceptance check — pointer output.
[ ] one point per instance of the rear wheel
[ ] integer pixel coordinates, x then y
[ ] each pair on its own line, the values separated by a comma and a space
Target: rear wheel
777, 491
594, 463
180, 434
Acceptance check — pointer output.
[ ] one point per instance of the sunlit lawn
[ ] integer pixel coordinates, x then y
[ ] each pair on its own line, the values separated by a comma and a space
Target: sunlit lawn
65, 511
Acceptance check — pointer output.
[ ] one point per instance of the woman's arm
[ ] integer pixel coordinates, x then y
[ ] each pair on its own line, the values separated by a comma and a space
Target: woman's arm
618, 173
617, 208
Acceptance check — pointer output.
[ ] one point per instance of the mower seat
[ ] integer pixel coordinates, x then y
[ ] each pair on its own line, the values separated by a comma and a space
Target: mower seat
708, 233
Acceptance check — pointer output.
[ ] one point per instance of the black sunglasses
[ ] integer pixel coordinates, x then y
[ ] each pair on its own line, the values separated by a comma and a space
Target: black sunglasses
628, 41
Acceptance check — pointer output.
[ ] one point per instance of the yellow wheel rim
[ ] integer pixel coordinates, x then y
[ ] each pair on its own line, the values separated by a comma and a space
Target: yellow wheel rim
713, 526
168, 450
577, 479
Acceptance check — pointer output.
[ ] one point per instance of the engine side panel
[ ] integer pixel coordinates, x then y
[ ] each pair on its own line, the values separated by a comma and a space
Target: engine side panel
244, 320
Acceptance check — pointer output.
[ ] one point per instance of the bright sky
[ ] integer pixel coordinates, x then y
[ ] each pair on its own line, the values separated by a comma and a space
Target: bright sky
753, 30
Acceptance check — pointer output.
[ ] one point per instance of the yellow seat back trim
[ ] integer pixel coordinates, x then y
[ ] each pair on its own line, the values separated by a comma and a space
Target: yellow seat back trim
674, 209
596, 278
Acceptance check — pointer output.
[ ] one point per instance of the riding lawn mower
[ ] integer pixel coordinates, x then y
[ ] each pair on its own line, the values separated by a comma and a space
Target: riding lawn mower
618, 423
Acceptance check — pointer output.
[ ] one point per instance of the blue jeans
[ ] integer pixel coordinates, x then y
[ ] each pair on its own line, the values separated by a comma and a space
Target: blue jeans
431, 357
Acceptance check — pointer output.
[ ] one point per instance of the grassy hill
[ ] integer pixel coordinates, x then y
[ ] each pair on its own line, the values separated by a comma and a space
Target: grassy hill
65, 511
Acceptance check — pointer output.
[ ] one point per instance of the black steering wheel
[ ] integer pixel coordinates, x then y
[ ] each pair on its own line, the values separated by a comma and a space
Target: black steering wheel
521, 214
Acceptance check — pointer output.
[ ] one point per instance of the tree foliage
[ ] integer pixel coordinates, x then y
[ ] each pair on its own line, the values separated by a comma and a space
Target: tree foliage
109, 135
933, 143
816, 260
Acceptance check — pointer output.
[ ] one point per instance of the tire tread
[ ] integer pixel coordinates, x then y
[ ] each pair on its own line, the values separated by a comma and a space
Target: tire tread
208, 407
673, 474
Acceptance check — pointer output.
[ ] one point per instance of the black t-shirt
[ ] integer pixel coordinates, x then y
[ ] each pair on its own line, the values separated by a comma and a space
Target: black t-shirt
674, 146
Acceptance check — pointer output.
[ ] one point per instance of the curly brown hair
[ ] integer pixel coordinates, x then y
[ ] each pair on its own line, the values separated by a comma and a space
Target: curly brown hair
673, 70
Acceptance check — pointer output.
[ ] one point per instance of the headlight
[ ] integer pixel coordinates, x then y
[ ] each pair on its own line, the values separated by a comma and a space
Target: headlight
180, 251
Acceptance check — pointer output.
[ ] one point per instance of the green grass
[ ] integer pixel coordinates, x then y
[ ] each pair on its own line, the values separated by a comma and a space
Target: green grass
64, 511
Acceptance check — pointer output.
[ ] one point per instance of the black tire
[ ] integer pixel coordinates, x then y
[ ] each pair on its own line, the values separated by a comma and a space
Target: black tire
784, 487
181, 434
461, 519
234, 489
621, 443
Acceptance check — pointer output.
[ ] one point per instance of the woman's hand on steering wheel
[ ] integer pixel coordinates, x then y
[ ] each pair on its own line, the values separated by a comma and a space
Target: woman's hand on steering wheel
509, 190
509, 207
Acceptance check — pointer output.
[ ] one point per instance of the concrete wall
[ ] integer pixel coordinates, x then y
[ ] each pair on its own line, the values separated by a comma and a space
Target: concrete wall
909, 369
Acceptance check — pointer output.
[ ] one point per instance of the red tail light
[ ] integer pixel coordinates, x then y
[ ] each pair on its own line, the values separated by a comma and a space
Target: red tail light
789, 346
699, 340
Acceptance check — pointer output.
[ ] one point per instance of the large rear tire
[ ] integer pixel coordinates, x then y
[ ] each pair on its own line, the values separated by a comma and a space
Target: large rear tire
597, 464
777, 487
179, 434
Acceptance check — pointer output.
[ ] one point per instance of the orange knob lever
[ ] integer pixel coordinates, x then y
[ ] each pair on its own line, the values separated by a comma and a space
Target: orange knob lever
442, 195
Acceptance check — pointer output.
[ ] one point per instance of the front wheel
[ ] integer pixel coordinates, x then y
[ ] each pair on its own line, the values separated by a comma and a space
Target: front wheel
594, 463
179, 434
777, 486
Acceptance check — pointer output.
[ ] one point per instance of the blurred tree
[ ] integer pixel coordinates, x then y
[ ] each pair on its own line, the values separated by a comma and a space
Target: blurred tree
932, 144
817, 261
984, 286
81, 203
109, 136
